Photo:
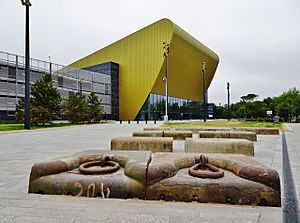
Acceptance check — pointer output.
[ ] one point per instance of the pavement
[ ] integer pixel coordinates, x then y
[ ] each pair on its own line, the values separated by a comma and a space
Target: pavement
19, 150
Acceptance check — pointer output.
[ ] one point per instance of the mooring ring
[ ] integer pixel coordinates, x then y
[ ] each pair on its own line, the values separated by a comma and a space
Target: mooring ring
98, 167
210, 172
205, 170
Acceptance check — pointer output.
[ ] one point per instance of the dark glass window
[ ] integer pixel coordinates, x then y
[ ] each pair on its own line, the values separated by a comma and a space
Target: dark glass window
12, 72
60, 81
178, 108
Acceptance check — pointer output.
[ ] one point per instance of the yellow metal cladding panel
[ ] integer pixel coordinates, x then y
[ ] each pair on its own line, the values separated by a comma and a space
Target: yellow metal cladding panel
140, 59
185, 67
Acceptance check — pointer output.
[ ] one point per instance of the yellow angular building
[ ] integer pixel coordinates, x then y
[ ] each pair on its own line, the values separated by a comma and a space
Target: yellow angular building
137, 67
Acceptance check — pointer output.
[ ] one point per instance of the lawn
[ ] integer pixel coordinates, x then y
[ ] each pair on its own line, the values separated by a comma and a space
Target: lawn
10, 127
229, 124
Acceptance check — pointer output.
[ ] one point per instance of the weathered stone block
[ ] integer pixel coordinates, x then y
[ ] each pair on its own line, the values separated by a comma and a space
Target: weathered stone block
160, 176
219, 145
148, 134
214, 134
246, 182
156, 128
61, 176
153, 144
178, 135
261, 131
196, 129
228, 134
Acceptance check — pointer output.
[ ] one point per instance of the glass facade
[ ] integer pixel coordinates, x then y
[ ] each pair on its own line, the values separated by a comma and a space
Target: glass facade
178, 108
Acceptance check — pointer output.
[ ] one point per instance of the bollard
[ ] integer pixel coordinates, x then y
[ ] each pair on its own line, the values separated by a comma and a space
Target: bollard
154, 121
128, 121
137, 121
120, 121
146, 121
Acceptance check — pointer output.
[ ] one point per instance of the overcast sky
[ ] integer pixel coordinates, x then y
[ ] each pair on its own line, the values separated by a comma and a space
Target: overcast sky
258, 41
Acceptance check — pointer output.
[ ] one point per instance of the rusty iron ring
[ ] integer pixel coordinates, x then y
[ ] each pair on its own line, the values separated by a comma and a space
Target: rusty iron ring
99, 167
205, 170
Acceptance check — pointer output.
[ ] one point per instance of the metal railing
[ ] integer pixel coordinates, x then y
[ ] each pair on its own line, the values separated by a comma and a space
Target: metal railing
67, 79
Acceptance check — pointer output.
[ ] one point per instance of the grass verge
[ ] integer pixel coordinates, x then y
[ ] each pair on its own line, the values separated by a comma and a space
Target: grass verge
229, 124
12, 127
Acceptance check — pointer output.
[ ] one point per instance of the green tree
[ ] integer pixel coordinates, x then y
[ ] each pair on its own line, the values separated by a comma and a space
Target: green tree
269, 103
256, 109
245, 105
20, 110
287, 105
75, 107
237, 110
45, 100
249, 97
94, 108
220, 111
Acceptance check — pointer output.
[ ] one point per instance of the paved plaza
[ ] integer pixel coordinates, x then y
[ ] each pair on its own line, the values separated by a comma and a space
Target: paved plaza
19, 150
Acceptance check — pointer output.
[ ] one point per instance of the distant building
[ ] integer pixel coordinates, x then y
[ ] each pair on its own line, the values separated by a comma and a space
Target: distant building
66, 79
127, 75
141, 61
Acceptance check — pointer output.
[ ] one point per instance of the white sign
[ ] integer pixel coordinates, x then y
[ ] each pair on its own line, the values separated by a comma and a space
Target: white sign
269, 112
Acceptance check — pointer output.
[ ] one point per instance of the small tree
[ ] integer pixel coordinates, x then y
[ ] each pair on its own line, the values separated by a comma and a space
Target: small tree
249, 97
287, 105
45, 100
20, 110
94, 108
75, 107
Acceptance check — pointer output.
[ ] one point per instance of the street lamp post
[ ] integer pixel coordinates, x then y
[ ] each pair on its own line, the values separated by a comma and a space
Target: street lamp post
204, 90
80, 84
166, 48
50, 65
228, 101
27, 4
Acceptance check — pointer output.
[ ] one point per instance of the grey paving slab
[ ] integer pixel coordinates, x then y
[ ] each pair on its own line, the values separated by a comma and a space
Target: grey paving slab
270, 215
7, 219
138, 218
26, 219
20, 150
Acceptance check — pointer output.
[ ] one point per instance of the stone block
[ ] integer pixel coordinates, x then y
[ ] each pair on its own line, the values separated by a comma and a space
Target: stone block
245, 181
219, 145
178, 135
196, 129
148, 134
160, 176
62, 175
156, 128
228, 134
153, 144
261, 131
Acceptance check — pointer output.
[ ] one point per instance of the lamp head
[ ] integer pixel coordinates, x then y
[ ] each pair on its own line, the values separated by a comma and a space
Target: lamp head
203, 66
26, 2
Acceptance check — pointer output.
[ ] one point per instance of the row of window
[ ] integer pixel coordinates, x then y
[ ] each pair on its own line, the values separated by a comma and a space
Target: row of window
87, 76
178, 108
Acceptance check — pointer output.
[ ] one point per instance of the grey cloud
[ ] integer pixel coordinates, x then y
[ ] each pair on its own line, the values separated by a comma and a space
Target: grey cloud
257, 41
